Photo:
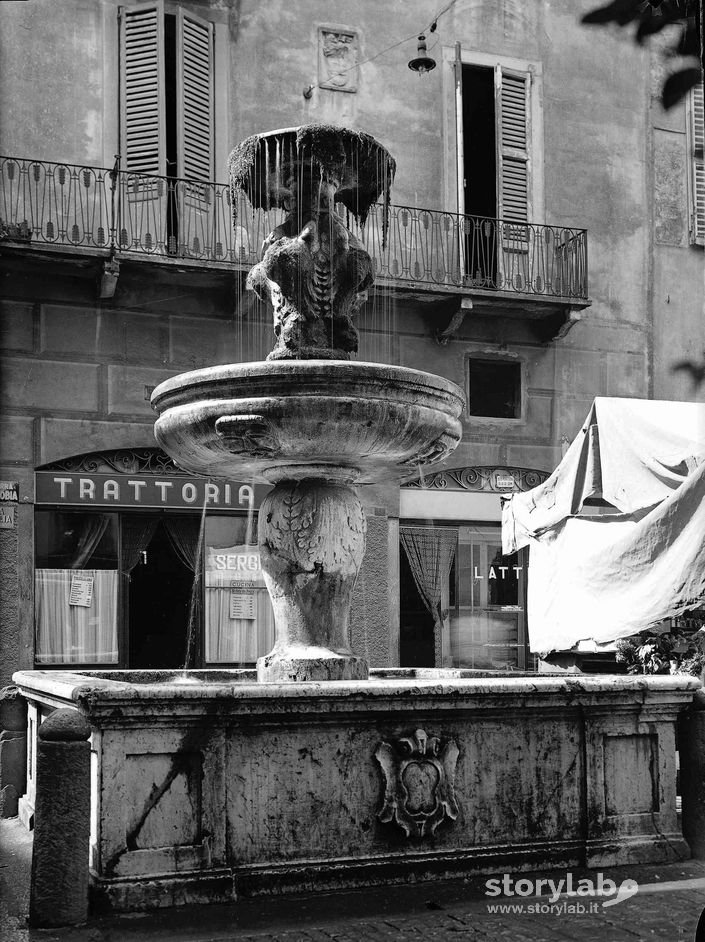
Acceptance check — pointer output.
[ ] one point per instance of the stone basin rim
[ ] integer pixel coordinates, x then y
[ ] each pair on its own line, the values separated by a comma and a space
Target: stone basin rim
351, 134
336, 375
78, 685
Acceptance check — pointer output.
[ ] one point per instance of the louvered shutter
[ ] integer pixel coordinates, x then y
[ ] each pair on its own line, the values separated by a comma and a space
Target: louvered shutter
697, 127
513, 168
143, 144
194, 90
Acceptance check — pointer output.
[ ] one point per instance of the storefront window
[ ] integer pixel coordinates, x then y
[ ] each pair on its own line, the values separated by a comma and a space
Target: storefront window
76, 588
461, 601
239, 620
487, 616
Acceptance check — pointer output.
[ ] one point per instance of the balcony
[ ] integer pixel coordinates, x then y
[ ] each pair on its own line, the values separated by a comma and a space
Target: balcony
493, 266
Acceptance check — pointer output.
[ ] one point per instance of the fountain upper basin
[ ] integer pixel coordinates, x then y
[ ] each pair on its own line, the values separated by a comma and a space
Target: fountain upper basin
295, 419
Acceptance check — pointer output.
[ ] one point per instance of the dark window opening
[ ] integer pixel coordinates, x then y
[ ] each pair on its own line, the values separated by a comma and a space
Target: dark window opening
479, 142
494, 389
480, 175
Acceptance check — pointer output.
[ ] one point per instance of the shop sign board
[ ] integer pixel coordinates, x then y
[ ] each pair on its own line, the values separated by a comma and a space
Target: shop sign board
9, 492
505, 481
146, 491
7, 516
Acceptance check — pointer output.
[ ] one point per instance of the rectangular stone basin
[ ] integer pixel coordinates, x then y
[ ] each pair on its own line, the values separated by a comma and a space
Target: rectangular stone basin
208, 786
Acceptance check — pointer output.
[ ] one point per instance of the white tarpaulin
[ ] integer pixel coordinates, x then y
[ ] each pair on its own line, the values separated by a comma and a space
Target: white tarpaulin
599, 578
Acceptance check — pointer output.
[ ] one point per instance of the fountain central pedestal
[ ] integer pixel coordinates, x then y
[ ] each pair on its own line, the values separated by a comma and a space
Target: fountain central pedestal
312, 541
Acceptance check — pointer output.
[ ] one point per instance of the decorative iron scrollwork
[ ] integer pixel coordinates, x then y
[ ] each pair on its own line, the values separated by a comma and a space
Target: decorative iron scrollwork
419, 774
123, 461
485, 478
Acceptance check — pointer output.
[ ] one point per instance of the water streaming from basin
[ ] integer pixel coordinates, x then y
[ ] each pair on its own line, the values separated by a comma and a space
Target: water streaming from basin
308, 420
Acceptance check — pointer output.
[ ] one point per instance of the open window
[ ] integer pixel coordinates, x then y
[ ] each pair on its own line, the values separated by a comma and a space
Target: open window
495, 197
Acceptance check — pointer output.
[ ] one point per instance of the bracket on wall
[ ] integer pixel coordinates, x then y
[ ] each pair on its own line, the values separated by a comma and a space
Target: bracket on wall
574, 316
443, 337
109, 278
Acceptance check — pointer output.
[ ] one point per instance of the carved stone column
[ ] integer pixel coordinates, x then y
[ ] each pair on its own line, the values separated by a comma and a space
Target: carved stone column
312, 541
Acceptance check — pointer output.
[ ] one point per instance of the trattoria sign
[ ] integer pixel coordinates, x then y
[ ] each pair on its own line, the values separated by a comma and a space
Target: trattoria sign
133, 490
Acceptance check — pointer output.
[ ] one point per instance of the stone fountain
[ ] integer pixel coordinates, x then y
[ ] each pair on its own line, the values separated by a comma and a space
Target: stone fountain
309, 421
316, 772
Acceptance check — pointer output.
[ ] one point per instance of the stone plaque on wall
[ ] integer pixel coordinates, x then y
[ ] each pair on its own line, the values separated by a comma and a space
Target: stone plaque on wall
670, 196
338, 53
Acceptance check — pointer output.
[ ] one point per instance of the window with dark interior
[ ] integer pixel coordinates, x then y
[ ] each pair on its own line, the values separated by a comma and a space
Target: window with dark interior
494, 388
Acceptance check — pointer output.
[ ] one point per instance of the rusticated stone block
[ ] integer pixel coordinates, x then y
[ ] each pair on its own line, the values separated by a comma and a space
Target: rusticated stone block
59, 890
9, 799
13, 709
13, 749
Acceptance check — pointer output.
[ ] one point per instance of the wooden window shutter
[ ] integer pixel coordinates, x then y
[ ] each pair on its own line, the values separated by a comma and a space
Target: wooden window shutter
513, 164
194, 96
142, 131
697, 135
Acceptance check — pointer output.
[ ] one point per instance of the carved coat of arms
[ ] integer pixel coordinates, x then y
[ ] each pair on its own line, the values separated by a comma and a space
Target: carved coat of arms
419, 774
337, 59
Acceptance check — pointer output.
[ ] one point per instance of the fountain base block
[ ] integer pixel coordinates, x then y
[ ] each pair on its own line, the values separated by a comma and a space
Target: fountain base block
287, 669
222, 788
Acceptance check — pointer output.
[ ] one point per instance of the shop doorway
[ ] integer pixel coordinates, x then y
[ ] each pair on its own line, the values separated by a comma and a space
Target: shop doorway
417, 646
160, 587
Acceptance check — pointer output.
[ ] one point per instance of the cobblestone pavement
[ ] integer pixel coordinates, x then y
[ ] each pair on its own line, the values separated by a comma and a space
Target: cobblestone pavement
666, 906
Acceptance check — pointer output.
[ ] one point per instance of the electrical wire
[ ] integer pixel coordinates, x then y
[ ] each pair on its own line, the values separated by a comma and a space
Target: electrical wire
431, 28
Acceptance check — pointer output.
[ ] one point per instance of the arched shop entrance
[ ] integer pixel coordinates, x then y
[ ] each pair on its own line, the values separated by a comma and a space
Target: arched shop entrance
138, 565
462, 602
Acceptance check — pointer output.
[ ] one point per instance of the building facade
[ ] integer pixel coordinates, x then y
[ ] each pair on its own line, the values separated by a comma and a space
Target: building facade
545, 246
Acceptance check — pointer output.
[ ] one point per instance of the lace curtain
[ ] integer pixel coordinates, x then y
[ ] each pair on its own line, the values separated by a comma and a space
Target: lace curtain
430, 553
186, 537
93, 529
183, 533
137, 533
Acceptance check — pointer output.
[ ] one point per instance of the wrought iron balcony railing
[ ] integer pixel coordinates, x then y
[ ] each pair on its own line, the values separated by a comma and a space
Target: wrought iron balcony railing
163, 217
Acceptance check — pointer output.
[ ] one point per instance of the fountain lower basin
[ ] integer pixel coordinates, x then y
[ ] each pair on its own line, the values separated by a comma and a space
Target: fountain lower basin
410, 775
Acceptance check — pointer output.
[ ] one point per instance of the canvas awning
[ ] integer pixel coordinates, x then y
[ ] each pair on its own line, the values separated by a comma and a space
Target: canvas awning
599, 578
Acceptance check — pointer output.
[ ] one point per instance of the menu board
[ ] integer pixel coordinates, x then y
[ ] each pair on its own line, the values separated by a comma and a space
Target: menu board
81, 592
242, 601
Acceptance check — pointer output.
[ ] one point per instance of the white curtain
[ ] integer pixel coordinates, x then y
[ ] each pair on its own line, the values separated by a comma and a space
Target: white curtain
75, 634
239, 640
